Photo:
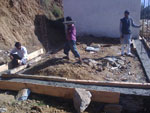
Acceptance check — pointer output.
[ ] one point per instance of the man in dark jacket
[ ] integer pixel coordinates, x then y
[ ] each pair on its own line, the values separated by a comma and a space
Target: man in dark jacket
126, 34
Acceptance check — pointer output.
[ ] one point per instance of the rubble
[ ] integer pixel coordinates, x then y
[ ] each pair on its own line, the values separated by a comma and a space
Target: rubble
94, 49
112, 63
3, 110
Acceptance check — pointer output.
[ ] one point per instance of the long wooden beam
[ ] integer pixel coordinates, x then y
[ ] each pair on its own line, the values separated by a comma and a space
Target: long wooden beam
35, 54
3, 67
86, 82
57, 91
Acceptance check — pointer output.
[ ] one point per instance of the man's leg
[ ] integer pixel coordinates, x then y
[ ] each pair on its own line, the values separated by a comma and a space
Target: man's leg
73, 48
129, 45
122, 41
67, 49
122, 49
15, 60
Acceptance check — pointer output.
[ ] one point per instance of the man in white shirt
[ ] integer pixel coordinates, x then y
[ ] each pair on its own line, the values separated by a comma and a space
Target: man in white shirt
18, 55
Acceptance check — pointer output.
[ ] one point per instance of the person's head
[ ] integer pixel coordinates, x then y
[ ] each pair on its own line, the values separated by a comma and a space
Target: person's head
18, 45
126, 13
69, 19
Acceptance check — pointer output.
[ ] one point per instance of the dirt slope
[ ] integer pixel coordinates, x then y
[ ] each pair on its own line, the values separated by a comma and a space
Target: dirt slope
21, 19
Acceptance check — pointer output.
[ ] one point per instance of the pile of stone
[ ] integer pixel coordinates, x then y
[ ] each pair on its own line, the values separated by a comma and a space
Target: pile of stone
109, 62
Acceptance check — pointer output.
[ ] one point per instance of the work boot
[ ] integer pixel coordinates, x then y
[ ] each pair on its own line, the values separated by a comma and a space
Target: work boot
66, 57
80, 61
130, 54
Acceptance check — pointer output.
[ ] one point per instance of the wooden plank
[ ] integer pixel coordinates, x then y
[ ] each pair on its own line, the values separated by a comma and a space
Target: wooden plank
86, 82
109, 97
3, 67
15, 70
36, 77
98, 96
144, 58
35, 54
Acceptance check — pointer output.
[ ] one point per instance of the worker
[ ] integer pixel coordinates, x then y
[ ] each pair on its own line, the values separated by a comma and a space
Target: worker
71, 40
126, 34
18, 55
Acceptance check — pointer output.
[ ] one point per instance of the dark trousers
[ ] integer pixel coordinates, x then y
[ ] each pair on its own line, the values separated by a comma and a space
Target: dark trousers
71, 45
15, 60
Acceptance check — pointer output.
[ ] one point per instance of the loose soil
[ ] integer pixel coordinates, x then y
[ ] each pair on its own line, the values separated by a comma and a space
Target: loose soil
94, 66
37, 103
46, 104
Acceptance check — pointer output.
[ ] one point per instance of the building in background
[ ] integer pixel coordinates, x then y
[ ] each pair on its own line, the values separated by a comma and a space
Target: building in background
101, 18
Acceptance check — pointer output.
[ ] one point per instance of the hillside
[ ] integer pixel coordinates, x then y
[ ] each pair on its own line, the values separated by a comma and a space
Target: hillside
32, 22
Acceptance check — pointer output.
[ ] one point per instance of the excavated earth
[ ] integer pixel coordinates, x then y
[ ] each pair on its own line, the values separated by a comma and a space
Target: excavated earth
104, 65
46, 104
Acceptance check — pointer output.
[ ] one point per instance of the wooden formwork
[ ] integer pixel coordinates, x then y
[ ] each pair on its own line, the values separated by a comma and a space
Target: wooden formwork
32, 57
103, 91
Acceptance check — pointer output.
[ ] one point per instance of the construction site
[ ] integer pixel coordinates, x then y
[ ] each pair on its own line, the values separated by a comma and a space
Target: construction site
105, 81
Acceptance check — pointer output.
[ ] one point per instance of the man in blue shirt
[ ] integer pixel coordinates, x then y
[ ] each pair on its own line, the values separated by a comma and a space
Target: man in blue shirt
125, 31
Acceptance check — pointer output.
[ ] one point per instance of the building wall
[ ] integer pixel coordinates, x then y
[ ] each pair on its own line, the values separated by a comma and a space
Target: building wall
101, 17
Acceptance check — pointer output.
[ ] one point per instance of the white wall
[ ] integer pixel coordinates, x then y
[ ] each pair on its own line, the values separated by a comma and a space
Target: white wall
101, 17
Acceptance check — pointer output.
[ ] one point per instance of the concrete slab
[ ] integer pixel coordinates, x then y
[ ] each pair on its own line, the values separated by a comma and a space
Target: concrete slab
143, 56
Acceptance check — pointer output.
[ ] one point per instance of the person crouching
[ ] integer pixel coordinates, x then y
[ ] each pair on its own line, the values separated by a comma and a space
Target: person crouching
18, 55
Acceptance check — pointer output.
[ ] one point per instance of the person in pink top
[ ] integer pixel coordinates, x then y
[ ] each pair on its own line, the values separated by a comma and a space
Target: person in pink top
71, 40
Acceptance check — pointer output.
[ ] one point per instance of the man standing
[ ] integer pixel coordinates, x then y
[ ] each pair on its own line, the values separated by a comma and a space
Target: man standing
18, 55
71, 39
126, 34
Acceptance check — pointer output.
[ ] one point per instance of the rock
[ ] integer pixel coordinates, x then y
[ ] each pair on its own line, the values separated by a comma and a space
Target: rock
122, 58
111, 59
82, 99
90, 62
1, 61
124, 79
129, 73
114, 68
120, 62
47, 106
95, 45
3, 110
113, 108
93, 61
37, 109
89, 48
99, 68
23, 94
